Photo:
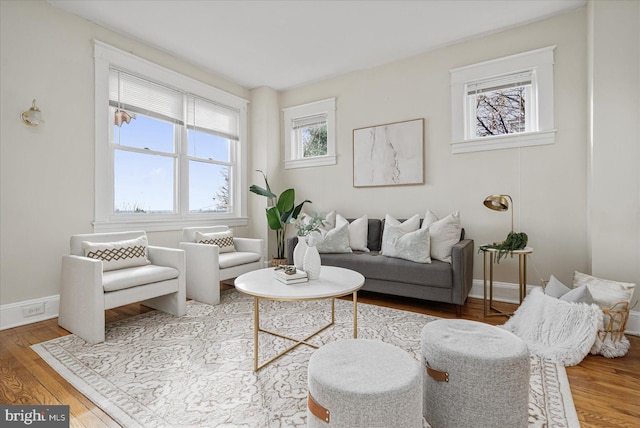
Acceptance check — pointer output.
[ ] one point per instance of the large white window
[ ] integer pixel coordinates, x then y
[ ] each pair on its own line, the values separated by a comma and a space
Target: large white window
309, 134
169, 150
503, 103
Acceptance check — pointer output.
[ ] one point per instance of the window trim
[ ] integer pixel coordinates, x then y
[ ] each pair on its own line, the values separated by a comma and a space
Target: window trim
106, 56
540, 61
323, 107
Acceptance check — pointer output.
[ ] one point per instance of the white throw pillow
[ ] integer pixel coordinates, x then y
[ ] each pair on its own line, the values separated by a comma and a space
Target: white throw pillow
445, 234
358, 232
329, 221
335, 241
555, 288
606, 293
413, 246
224, 240
408, 225
119, 254
429, 219
578, 295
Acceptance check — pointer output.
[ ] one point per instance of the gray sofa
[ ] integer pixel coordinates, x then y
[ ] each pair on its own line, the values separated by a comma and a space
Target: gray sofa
437, 281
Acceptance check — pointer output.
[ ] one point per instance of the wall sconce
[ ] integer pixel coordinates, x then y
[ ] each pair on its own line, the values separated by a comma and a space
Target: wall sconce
122, 116
33, 116
500, 203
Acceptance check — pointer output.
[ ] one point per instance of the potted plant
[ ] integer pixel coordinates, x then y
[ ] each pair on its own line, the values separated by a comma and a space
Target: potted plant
305, 226
281, 211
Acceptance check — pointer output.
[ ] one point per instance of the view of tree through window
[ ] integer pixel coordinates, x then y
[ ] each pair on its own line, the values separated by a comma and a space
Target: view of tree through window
314, 140
500, 112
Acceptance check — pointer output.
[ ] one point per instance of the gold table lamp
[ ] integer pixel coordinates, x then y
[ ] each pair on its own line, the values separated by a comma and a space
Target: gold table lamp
500, 203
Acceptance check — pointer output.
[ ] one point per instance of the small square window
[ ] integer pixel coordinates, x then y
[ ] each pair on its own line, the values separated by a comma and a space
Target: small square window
503, 103
310, 134
501, 106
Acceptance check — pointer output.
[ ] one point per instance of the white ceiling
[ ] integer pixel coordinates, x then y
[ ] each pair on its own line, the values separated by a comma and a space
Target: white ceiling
284, 44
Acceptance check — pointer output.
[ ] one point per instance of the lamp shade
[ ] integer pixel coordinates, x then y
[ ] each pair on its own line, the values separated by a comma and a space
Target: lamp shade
499, 203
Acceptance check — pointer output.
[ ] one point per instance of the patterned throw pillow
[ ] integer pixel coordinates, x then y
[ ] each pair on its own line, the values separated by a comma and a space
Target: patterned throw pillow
224, 240
335, 241
413, 246
410, 225
118, 255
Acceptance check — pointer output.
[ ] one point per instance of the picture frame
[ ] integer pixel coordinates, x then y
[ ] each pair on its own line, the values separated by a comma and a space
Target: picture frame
391, 154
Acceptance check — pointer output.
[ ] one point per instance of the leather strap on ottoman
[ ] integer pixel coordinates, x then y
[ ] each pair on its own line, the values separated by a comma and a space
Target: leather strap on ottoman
317, 410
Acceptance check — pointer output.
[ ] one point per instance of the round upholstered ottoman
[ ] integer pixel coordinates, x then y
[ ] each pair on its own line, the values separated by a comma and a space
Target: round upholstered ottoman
364, 383
475, 375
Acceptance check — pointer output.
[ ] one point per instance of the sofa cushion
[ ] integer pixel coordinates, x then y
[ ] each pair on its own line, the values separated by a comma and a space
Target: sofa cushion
375, 266
140, 275
237, 258
374, 234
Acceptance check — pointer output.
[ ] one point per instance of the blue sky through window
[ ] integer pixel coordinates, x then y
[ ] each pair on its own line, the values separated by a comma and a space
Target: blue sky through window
145, 183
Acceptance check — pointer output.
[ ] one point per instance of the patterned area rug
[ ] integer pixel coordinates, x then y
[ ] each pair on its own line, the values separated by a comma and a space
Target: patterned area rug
156, 370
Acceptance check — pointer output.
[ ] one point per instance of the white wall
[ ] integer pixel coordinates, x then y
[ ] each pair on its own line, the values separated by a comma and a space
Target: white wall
614, 55
547, 183
265, 156
47, 180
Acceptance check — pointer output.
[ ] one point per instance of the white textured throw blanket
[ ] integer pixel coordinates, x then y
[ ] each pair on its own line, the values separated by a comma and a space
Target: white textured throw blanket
560, 331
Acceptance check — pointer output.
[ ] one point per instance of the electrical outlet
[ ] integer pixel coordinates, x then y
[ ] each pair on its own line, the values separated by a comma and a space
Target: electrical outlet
32, 310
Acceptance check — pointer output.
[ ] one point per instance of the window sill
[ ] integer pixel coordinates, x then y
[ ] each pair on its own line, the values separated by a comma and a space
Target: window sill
504, 142
164, 225
310, 162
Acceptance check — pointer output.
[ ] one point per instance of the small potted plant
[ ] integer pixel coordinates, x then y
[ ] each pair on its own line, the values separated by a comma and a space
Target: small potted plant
305, 226
281, 211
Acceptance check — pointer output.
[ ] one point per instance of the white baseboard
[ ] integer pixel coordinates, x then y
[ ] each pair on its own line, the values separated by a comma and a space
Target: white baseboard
508, 292
17, 314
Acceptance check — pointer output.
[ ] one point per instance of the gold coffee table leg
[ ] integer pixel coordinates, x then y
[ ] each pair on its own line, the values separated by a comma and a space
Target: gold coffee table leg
355, 314
256, 328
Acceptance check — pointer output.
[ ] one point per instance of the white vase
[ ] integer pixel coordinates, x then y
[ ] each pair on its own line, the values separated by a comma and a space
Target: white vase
298, 253
311, 264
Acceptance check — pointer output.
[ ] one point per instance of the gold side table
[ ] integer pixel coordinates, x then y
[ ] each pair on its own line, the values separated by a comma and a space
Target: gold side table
489, 256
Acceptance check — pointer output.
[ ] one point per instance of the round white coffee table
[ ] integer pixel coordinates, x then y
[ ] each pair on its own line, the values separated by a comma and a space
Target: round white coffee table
333, 282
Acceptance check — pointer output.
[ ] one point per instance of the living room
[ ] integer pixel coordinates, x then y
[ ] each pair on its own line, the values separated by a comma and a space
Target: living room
577, 199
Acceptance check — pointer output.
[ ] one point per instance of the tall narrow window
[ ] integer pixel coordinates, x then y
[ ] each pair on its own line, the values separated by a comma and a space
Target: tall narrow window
144, 138
212, 131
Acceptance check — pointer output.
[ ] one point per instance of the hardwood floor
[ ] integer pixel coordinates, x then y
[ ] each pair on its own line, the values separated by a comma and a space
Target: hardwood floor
606, 392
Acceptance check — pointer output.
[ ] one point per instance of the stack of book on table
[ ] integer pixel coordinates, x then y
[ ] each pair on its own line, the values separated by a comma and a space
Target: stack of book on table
294, 278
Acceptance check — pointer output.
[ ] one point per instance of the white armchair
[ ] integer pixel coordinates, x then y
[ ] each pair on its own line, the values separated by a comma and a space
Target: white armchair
207, 266
88, 290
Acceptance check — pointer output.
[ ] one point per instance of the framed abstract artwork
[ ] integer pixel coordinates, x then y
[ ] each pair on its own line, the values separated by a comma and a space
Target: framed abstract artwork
389, 155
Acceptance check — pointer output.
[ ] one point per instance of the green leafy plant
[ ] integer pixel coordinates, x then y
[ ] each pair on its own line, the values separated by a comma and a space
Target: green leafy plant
515, 241
305, 224
281, 211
